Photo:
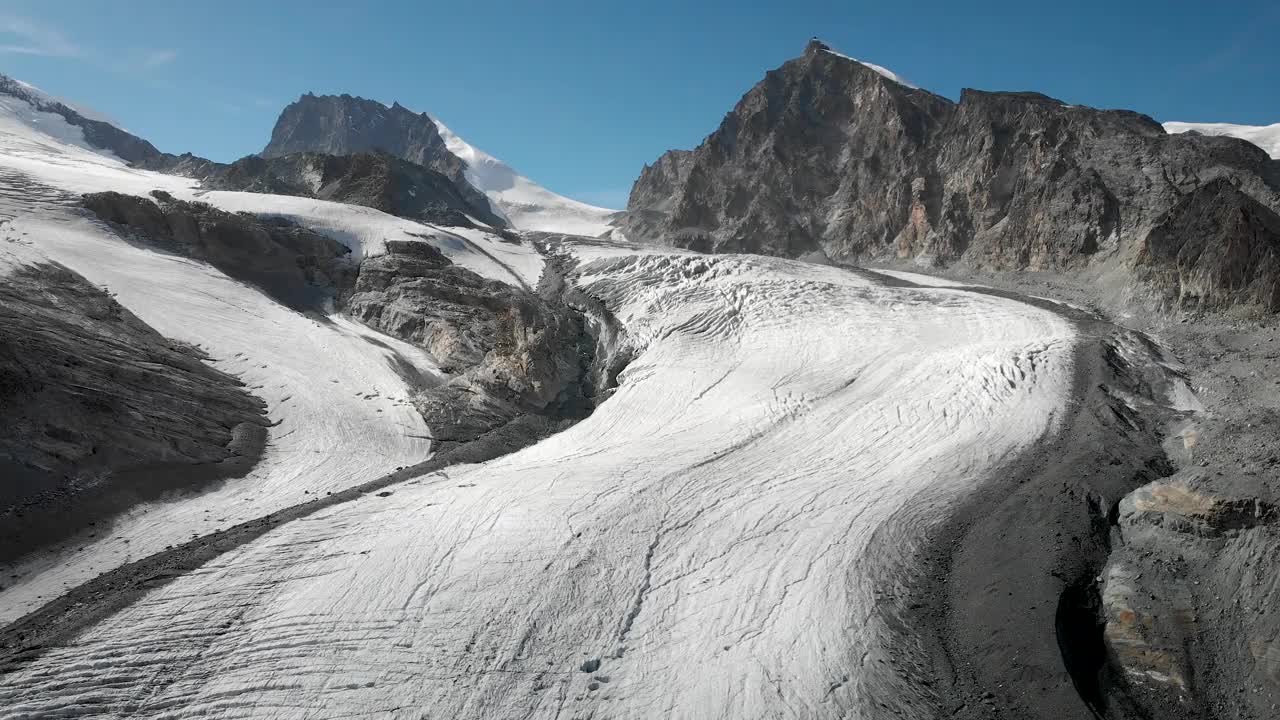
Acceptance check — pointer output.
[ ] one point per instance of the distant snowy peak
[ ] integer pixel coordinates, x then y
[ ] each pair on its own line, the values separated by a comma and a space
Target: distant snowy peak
344, 124
524, 203
1266, 137
816, 45
38, 111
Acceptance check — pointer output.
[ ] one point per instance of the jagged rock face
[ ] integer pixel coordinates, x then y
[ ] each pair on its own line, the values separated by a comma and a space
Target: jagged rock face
653, 190
798, 165
346, 125
512, 352
1216, 247
296, 266
376, 180
828, 154
1186, 598
104, 136
99, 411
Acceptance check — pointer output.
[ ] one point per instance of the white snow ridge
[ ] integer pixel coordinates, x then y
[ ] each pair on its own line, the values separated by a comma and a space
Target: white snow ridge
1266, 137
524, 203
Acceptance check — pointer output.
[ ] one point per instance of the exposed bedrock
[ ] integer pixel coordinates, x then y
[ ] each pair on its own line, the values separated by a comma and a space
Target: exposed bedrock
343, 125
100, 412
1014, 592
296, 266
1215, 248
373, 179
827, 155
511, 352
508, 351
1188, 598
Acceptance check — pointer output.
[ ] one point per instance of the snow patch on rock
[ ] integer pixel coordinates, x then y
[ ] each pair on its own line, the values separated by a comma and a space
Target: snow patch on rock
1266, 137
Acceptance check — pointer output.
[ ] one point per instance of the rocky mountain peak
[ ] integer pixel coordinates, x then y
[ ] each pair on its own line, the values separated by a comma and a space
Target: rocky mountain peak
815, 46
829, 154
349, 125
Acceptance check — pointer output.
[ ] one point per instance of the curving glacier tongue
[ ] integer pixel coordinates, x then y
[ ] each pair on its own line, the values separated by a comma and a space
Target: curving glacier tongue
715, 541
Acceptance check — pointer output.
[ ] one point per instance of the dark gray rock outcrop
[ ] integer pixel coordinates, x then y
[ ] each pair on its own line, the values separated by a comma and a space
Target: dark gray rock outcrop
1216, 247
828, 155
101, 135
347, 125
373, 179
98, 411
376, 180
510, 352
296, 266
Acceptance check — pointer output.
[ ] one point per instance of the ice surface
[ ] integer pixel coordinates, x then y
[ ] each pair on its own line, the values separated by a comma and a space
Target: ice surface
1266, 137
524, 203
716, 541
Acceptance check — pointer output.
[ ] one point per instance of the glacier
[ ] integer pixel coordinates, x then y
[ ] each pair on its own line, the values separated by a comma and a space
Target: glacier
714, 541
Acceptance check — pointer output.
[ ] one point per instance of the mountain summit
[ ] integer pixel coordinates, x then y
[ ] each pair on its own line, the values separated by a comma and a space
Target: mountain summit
831, 155
344, 125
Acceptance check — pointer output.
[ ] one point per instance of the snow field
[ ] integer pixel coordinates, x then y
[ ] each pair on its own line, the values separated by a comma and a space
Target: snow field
524, 203
1266, 137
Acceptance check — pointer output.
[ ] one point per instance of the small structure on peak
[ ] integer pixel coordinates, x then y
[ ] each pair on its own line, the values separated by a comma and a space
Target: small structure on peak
815, 45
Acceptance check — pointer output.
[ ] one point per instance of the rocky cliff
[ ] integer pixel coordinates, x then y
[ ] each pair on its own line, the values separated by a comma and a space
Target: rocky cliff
830, 155
375, 179
346, 125
1216, 247
510, 352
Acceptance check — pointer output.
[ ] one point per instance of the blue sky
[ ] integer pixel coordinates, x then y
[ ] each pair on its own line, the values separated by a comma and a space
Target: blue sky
579, 95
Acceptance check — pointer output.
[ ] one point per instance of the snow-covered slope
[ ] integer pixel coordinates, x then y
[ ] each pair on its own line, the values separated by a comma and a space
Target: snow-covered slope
718, 540
331, 385
1266, 137
46, 150
20, 117
40, 96
524, 203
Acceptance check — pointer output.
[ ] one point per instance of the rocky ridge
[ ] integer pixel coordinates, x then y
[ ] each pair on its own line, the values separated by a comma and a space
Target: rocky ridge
103, 135
827, 155
372, 179
346, 125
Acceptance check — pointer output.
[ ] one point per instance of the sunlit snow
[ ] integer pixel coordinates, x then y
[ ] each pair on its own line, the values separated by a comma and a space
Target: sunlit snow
526, 204
1266, 137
